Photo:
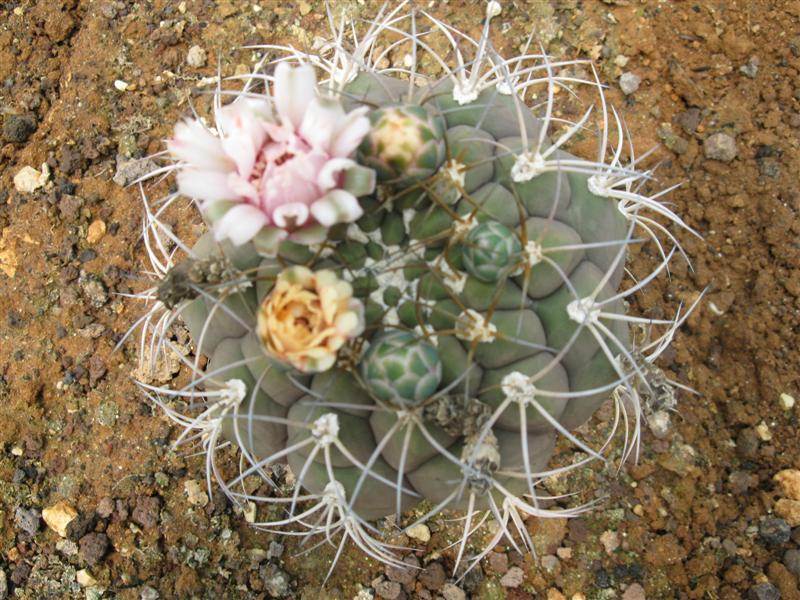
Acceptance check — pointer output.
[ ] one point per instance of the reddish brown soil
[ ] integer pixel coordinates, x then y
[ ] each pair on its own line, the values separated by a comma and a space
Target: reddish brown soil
75, 428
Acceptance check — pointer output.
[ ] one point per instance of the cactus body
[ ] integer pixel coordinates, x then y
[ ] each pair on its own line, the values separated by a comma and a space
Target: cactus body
486, 316
488, 311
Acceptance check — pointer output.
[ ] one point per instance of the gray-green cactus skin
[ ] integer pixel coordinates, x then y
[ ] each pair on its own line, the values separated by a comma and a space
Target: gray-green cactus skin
413, 260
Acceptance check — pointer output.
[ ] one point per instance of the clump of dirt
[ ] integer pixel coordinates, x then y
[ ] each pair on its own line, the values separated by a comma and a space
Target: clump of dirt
87, 86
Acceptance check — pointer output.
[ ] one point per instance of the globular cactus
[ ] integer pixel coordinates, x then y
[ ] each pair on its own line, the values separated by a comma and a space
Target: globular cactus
431, 340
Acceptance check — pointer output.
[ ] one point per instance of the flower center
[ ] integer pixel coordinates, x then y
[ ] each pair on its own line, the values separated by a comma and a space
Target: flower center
283, 158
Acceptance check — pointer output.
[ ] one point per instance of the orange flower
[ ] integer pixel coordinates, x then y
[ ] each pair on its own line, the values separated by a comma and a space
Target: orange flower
307, 317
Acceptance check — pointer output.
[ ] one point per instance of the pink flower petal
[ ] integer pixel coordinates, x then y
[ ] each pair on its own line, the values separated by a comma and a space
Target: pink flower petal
293, 91
350, 132
337, 206
241, 187
240, 224
243, 134
327, 177
292, 214
321, 120
207, 186
197, 146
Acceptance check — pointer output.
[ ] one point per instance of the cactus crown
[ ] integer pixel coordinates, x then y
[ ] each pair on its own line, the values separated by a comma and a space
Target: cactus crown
434, 342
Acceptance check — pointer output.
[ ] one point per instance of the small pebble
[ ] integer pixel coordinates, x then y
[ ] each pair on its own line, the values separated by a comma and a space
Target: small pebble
129, 170
787, 402
276, 582
629, 83
452, 592
18, 128
747, 443
420, 532
433, 576
120, 85
789, 480
791, 560
602, 578
70, 207
763, 432
27, 520
789, 510
81, 525
720, 146
195, 493
67, 547
405, 576
750, 68
94, 290
59, 516
729, 546
250, 511
147, 511
93, 547
513, 578
389, 590
689, 120
20, 574
774, 532
634, 592
28, 179
84, 578
95, 232
105, 507
498, 562
764, 591
3, 585
550, 563
610, 541
148, 593
196, 57
742, 481
275, 550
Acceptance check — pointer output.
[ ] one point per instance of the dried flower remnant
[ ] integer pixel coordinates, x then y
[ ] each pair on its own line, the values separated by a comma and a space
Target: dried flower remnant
307, 317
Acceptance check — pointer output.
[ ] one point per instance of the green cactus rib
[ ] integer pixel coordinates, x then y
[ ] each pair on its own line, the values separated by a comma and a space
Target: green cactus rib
448, 259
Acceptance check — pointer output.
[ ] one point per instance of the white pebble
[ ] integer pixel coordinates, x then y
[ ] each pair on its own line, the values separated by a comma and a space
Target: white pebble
762, 429
513, 578
195, 493
787, 402
29, 179
121, 85
59, 516
196, 57
610, 541
629, 83
250, 512
419, 532
84, 578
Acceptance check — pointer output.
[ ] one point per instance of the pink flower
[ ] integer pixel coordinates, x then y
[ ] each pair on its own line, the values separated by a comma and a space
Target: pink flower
266, 179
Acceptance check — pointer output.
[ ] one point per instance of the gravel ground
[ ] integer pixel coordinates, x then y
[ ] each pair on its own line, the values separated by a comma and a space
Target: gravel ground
93, 502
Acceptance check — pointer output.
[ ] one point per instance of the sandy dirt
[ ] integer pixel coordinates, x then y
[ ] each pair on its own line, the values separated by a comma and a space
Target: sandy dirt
86, 86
